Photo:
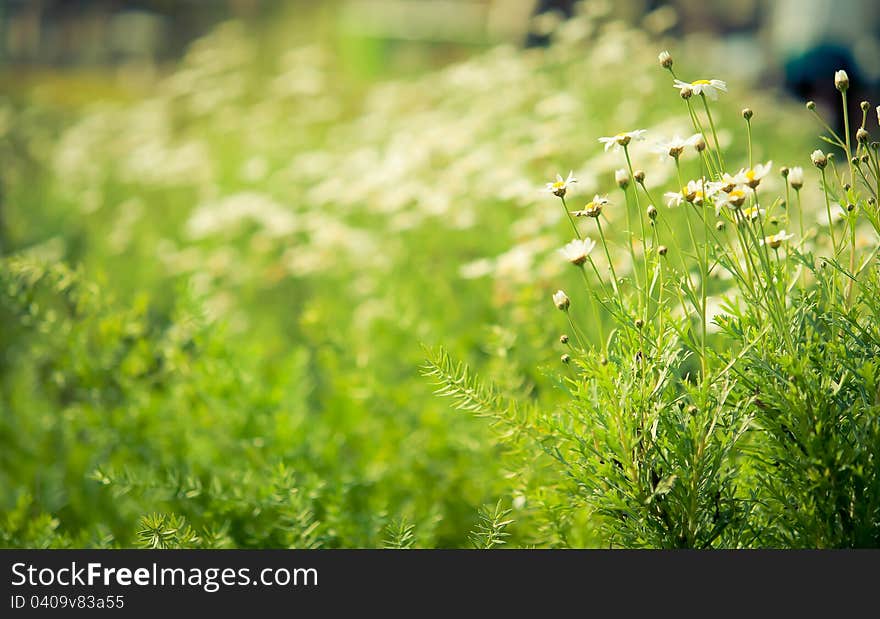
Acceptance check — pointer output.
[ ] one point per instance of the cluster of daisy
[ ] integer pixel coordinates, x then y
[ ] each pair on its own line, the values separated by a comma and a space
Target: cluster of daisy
726, 196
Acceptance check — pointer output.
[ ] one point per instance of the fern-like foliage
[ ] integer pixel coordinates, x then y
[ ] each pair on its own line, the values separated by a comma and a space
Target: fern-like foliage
454, 379
491, 530
162, 531
399, 534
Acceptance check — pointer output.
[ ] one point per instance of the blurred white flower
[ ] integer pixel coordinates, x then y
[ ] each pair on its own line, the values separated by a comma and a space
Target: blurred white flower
752, 213
593, 208
577, 250
622, 139
796, 177
695, 191
734, 198
775, 240
676, 146
559, 187
710, 88
752, 176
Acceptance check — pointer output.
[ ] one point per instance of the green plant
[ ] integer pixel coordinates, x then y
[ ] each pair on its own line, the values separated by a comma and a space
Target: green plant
734, 400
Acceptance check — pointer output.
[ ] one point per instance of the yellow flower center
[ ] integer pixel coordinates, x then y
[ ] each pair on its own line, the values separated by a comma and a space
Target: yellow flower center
750, 174
558, 184
701, 83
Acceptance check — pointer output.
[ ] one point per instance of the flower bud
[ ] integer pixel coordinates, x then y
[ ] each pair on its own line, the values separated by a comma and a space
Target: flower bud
652, 212
841, 80
865, 106
561, 300
784, 171
850, 207
819, 159
621, 177
639, 323
699, 144
686, 92
747, 113
862, 136
665, 59
811, 105
563, 339
691, 410
565, 358
639, 176
720, 226
662, 250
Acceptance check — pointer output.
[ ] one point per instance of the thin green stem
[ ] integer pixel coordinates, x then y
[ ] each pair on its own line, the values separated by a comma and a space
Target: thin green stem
749, 130
828, 211
852, 176
608, 257
642, 227
698, 127
714, 133
570, 218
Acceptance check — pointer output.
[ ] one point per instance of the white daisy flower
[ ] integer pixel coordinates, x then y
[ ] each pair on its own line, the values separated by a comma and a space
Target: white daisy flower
593, 208
622, 139
734, 198
710, 88
727, 183
577, 251
752, 213
674, 198
695, 191
560, 185
676, 146
752, 176
775, 240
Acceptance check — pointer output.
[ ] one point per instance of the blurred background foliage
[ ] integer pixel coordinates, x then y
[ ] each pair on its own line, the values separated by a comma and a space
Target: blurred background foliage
228, 228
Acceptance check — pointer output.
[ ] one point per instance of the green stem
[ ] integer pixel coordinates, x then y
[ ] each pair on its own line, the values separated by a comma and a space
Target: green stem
608, 257
828, 211
642, 227
749, 129
714, 133
852, 176
570, 218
